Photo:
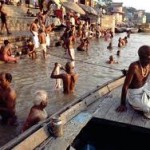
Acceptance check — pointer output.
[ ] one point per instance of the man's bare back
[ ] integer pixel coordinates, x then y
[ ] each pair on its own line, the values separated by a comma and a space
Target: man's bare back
69, 78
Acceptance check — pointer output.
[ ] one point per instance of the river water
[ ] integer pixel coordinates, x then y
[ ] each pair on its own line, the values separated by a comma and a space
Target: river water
29, 75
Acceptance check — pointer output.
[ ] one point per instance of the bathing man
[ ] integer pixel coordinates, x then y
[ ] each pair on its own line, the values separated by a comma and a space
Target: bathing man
69, 78
135, 86
34, 30
7, 100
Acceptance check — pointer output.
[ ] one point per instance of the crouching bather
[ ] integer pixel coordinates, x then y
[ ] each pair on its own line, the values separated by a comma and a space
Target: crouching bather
135, 86
6, 54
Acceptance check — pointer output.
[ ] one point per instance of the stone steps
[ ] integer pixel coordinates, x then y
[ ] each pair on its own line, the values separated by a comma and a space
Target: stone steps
19, 39
19, 25
17, 19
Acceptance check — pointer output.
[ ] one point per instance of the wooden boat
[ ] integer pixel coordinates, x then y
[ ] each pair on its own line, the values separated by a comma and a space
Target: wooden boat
89, 121
146, 30
119, 29
133, 30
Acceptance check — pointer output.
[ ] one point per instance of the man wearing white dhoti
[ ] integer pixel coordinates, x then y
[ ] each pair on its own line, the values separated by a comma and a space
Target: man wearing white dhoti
42, 39
135, 85
48, 29
34, 30
70, 47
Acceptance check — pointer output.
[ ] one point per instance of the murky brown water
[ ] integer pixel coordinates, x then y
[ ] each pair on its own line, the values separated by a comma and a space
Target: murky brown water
28, 75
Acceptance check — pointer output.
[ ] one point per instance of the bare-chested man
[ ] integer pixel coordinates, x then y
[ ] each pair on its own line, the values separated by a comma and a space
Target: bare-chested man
42, 40
69, 78
3, 13
31, 49
6, 54
34, 27
70, 46
37, 112
48, 29
7, 99
111, 60
135, 83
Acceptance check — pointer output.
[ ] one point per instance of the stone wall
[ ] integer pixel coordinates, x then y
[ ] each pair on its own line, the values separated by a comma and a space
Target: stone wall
19, 24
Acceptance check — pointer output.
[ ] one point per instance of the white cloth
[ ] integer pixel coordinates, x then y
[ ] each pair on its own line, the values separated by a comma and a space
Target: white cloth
48, 40
56, 21
140, 99
58, 81
43, 47
35, 39
72, 53
72, 20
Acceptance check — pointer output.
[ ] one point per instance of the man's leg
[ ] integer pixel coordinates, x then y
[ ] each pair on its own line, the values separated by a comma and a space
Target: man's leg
2, 26
7, 28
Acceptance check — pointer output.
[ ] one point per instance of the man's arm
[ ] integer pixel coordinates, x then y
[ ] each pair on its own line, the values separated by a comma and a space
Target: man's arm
11, 102
31, 26
127, 82
53, 75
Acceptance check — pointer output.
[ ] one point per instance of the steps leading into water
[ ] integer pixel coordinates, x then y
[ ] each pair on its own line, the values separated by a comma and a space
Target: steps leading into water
17, 18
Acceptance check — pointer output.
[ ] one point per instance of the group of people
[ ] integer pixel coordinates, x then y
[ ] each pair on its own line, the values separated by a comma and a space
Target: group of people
134, 86
8, 97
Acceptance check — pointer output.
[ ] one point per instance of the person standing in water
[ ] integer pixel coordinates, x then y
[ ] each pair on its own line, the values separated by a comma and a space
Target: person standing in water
69, 78
7, 100
34, 27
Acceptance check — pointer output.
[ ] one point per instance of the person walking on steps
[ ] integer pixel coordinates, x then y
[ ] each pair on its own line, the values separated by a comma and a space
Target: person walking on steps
3, 18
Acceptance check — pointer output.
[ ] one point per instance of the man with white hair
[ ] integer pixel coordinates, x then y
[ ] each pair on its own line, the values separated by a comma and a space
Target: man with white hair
37, 112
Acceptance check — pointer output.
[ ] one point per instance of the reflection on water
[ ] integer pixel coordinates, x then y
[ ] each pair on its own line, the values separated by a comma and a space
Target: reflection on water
28, 75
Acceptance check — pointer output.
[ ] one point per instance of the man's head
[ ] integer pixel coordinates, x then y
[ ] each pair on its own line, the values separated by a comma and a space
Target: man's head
144, 54
111, 58
6, 42
36, 21
40, 98
5, 79
69, 66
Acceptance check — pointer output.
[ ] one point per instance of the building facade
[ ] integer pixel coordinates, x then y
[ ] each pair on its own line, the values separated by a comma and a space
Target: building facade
116, 9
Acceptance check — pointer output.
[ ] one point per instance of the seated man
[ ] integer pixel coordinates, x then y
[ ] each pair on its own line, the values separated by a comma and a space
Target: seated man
69, 78
30, 14
7, 100
37, 112
135, 84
